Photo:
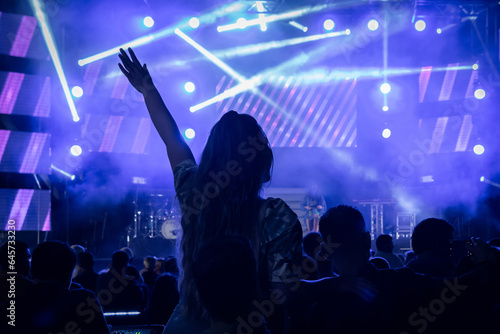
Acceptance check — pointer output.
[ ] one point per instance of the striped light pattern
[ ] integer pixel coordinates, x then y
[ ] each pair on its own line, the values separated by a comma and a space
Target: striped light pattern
23, 37
110, 134
28, 208
10, 91
319, 115
33, 153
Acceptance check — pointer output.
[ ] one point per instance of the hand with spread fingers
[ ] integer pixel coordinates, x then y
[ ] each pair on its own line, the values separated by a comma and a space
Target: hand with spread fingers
137, 74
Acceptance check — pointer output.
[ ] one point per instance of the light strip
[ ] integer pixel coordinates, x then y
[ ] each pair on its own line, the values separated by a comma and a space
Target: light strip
49, 40
298, 25
46, 223
10, 92
448, 82
4, 138
110, 134
68, 175
33, 153
464, 135
42, 108
23, 37
142, 136
20, 207
206, 18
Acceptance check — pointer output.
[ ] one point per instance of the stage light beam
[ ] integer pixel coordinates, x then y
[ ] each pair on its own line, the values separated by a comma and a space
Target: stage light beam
386, 133
475, 67
479, 94
189, 133
385, 108
39, 12
194, 22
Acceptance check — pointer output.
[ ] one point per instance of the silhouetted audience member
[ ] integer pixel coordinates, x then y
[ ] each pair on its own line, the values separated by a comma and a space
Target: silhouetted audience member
148, 273
385, 248
116, 290
164, 298
14, 257
312, 242
364, 299
160, 266
87, 277
49, 306
225, 274
170, 266
77, 249
431, 243
409, 255
131, 269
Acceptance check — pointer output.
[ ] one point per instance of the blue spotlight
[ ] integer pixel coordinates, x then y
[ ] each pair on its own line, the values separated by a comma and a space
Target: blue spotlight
386, 133
475, 67
41, 16
479, 94
77, 91
348, 31
385, 108
478, 149
148, 22
194, 22
373, 25
385, 88
439, 31
189, 133
420, 25
241, 23
76, 150
481, 179
189, 87
328, 24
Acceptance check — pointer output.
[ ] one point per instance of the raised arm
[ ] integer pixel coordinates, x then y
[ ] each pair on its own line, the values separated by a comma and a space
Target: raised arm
138, 75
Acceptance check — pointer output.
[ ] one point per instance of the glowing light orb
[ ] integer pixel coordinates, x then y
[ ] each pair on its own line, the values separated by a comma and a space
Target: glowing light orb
385, 108
189, 87
328, 24
189, 133
76, 150
373, 25
475, 67
385, 88
478, 149
194, 22
420, 25
386, 133
77, 91
479, 94
148, 22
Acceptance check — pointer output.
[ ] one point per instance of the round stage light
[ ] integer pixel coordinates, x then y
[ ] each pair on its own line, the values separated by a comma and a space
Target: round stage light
148, 22
479, 94
77, 91
420, 25
481, 179
373, 25
194, 22
189, 133
386, 133
439, 31
76, 150
241, 22
475, 67
328, 24
348, 31
478, 149
189, 87
385, 108
385, 88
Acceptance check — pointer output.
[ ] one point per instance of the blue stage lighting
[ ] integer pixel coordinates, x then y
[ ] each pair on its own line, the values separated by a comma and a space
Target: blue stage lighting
475, 67
439, 31
189, 133
241, 23
385, 108
385, 88
76, 150
478, 149
479, 94
194, 22
420, 25
77, 91
481, 179
189, 87
373, 25
386, 133
148, 22
328, 24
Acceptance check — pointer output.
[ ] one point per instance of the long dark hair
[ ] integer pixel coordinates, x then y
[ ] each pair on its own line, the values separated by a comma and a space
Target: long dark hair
236, 162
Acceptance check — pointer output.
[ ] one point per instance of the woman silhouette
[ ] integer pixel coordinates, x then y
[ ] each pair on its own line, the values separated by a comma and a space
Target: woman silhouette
220, 196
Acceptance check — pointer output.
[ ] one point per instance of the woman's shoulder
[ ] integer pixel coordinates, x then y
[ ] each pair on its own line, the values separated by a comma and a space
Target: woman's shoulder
183, 171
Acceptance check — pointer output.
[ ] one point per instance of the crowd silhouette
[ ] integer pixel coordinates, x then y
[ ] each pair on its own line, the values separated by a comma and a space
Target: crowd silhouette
243, 266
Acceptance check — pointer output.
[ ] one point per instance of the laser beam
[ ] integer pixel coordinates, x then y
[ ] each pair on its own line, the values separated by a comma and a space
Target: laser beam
39, 12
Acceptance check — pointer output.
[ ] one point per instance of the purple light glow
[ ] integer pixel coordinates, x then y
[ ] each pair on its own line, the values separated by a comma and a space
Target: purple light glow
33, 153
10, 91
142, 136
110, 134
23, 37
20, 208
4, 138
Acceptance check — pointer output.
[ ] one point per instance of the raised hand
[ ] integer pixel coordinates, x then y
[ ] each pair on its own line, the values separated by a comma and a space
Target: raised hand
137, 74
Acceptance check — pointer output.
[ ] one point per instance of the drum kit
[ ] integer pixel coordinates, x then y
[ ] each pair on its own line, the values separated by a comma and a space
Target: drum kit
155, 215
